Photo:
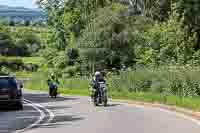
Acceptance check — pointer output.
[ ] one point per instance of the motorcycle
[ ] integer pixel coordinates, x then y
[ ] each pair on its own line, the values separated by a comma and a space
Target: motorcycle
100, 94
53, 91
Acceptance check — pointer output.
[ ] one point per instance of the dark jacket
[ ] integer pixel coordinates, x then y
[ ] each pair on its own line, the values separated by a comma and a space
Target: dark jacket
52, 83
94, 82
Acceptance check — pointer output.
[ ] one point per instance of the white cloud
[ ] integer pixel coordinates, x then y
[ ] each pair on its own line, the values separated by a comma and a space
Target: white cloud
34, 2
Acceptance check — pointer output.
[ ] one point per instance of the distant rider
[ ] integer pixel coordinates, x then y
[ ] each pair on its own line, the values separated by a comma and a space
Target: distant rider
52, 83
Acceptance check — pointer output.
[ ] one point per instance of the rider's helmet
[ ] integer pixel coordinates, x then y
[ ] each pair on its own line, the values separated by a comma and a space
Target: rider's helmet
97, 74
52, 76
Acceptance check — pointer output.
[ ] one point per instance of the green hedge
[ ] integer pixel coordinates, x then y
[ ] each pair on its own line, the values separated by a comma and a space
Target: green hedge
17, 64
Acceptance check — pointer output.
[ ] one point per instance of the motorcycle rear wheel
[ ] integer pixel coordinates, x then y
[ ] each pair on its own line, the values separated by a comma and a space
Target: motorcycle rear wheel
105, 103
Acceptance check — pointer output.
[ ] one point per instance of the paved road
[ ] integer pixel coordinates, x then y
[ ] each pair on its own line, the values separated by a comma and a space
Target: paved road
78, 115
11, 120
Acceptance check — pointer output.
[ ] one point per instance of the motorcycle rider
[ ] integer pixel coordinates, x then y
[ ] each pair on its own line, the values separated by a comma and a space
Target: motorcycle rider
52, 83
98, 77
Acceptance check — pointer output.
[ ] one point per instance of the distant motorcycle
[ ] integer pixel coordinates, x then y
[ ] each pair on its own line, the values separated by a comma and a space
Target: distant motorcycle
53, 91
100, 94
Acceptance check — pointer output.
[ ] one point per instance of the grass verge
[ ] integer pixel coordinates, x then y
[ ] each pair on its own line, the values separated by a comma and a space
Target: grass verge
187, 102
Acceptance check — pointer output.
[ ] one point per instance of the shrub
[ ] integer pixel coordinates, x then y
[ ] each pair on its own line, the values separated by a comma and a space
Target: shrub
70, 71
173, 80
4, 70
17, 64
11, 63
28, 44
165, 42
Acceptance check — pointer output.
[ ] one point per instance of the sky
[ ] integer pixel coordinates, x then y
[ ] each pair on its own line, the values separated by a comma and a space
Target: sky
19, 3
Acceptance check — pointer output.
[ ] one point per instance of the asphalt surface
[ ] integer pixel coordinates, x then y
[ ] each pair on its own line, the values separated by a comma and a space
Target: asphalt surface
12, 120
78, 115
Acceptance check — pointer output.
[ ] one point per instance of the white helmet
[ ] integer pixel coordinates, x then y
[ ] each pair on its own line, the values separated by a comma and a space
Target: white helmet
97, 73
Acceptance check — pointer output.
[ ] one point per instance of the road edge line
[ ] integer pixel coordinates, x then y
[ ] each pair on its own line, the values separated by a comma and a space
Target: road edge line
169, 109
42, 116
51, 114
163, 108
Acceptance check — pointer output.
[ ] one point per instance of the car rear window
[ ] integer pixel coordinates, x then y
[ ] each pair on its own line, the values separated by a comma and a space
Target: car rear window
8, 83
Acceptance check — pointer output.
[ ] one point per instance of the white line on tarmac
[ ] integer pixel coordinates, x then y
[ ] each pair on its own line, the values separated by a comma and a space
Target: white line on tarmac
42, 116
51, 115
181, 115
40, 119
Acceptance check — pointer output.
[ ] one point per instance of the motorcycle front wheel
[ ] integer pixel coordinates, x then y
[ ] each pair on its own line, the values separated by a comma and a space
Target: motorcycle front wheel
105, 103
105, 100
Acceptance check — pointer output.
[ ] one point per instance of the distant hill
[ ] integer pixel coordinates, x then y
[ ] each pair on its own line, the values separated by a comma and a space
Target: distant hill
22, 13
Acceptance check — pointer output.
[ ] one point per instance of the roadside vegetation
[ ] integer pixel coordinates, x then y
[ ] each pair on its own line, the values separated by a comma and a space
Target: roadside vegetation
177, 86
150, 53
18, 50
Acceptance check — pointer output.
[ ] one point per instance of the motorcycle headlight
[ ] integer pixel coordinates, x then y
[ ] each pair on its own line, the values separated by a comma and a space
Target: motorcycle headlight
19, 88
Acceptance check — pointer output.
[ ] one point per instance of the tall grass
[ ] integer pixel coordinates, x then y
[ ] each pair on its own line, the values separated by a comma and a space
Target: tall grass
39, 82
180, 81
170, 85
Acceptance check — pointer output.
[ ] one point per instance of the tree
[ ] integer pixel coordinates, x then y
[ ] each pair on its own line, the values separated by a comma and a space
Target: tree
28, 44
12, 23
190, 11
55, 11
70, 16
157, 9
7, 46
106, 42
27, 23
4, 21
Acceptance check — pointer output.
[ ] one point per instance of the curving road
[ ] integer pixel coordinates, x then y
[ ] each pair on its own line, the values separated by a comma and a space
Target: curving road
78, 115
11, 120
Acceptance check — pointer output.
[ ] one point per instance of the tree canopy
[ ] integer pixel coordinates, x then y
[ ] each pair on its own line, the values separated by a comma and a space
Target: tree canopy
102, 34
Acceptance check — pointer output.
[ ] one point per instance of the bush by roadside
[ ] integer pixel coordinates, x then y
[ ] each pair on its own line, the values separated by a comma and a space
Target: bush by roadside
13, 64
170, 80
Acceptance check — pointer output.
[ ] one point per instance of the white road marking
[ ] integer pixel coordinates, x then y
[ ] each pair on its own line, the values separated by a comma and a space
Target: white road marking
40, 119
186, 117
42, 116
181, 115
51, 114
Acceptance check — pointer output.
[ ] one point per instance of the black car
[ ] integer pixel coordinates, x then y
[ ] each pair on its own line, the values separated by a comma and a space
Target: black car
10, 92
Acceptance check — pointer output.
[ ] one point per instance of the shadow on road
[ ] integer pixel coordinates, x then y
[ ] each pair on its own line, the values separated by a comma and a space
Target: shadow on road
59, 120
12, 108
113, 105
44, 98
29, 115
6, 108
109, 105
62, 120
